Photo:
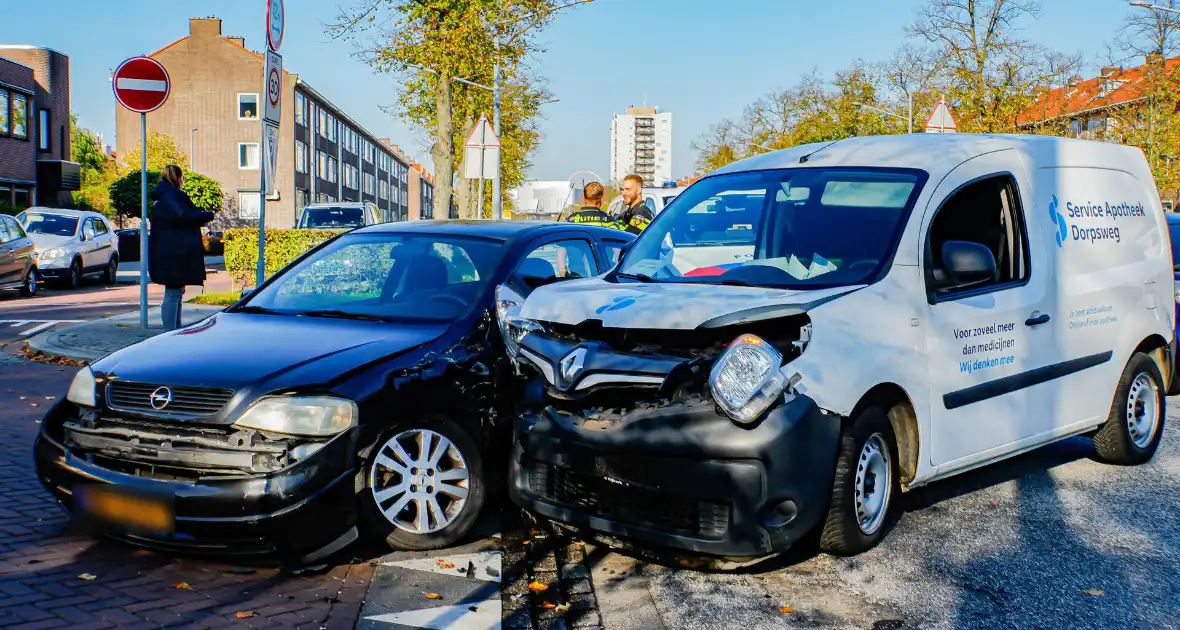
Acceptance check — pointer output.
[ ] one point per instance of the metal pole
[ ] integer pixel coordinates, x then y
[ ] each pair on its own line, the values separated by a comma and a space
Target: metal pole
143, 225
496, 209
261, 273
910, 121
483, 140
192, 147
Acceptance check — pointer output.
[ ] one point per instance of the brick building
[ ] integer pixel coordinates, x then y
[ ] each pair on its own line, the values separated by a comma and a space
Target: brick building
35, 166
213, 114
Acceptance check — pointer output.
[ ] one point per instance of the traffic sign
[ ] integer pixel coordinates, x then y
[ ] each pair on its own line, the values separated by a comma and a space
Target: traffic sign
276, 17
274, 87
141, 84
940, 120
270, 154
482, 134
481, 151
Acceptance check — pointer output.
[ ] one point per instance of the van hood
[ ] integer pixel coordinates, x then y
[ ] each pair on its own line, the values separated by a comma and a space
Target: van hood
669, 306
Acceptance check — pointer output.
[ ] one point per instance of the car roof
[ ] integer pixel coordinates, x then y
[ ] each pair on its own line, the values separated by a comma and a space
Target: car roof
505, 230
338, 204
66, 212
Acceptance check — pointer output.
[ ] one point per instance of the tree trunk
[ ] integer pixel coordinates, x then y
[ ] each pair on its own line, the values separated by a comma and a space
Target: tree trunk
444, 150
463, 192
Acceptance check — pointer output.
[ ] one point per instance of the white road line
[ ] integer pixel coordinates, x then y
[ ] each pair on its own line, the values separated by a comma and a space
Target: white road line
147, 85
42, 324
474, 615
16, 322
486, 565
36, 329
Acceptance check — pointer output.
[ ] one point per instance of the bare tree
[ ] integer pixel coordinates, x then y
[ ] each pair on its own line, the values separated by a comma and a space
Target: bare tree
1150, 32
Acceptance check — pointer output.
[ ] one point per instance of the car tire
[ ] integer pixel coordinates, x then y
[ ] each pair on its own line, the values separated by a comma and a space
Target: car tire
29, 288
111, 275
863, 507
74, 279
1132, 431
395, 506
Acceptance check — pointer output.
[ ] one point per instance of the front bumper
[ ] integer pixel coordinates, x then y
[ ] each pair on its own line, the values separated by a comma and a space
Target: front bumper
293, 512
683, 477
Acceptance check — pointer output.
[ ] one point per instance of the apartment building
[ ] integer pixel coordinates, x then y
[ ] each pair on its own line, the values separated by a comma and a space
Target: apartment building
641, 143
214, 115
35, 166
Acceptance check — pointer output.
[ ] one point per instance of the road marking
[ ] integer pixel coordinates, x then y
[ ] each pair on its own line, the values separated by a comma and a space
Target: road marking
18, 322
42, 324
470, 586
486, 565
478, 615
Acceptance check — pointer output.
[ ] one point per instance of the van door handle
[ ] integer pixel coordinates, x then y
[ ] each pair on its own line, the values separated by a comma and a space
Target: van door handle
1037, 318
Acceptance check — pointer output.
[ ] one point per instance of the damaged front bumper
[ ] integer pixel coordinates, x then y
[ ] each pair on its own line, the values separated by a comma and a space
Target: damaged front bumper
218, 504
681, 476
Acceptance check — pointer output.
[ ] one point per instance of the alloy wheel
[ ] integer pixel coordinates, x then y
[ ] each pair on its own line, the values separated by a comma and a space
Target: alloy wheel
420, 481
1142, 410
874, 484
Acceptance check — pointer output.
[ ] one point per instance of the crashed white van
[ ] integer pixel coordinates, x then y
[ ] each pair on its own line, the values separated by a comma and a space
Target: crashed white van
801, 336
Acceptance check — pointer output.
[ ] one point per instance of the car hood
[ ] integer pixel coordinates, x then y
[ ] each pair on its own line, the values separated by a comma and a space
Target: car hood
236, 350
45, 242
668, 305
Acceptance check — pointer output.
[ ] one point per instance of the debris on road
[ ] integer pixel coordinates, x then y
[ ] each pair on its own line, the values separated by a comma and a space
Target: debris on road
88, 577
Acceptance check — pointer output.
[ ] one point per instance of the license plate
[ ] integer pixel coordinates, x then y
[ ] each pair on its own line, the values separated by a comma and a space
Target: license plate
125, 509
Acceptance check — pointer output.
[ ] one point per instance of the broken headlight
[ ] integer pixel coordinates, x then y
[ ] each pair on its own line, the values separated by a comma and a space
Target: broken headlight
747, 378
81, 391
301, 415
513, 327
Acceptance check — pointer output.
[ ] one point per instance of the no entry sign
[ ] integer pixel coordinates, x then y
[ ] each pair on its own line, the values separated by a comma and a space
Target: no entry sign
141, 84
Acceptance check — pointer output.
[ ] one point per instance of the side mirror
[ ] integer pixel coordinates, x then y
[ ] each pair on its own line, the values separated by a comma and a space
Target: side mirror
968, 264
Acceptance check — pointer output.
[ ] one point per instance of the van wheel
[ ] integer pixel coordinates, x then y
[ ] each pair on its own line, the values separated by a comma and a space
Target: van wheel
422, 485
866, 487
1135, 425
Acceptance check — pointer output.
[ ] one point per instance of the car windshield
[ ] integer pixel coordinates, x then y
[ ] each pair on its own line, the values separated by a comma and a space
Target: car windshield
792, 228
384, 276
333, 218
51, 224
1174, 234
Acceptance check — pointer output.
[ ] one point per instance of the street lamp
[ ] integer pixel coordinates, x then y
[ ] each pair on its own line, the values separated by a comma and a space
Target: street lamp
1154, 7
909, 121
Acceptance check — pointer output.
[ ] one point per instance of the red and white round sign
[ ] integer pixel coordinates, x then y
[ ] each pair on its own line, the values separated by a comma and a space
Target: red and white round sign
141, 84
276, 17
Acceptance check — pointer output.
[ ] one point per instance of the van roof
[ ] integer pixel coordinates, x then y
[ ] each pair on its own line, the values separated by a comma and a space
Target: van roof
938, 153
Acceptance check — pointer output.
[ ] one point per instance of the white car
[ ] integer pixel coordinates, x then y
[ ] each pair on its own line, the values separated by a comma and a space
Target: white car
72, 244
806, 334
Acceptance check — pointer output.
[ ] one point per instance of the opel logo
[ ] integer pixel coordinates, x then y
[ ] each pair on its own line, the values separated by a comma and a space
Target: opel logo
572, 364
161, 398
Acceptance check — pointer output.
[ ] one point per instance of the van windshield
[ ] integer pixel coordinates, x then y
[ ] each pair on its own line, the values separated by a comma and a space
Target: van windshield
791, 228
332, 218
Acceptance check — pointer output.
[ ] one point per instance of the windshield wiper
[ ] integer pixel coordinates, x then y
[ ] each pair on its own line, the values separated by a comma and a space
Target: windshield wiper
642, 277
338, 314
261, 310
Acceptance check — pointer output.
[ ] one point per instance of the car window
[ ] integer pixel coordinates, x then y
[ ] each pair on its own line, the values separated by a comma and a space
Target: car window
14, 227
6, 233
88, 229
50, 224
101, 226
613, 249
566, 259
332, 218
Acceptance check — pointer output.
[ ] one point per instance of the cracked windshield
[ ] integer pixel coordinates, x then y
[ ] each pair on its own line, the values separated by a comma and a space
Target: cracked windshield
790, 228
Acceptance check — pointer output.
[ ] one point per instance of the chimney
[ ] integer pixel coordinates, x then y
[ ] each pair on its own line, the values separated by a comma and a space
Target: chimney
1109, 71
241, 41
204, 27
1074, 81
1154, 59
384, 141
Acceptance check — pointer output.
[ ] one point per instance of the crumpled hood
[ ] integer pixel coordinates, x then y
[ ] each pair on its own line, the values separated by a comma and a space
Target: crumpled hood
668, 305
45, 242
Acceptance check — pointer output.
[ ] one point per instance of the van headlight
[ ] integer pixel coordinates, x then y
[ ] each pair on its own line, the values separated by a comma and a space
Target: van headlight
747, 378
82, 388
513, 327
301, 415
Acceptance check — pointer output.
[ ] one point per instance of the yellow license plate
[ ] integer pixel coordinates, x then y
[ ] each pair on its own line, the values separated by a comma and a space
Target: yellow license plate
125, 509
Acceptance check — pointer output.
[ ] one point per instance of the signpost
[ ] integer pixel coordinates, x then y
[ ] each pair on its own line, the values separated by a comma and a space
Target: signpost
142, 85
272, 79
940, 120
481, 158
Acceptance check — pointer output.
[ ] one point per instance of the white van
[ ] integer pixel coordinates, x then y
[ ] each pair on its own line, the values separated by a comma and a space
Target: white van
802, 336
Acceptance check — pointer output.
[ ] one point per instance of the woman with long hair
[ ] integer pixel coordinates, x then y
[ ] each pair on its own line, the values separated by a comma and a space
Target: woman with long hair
176, 255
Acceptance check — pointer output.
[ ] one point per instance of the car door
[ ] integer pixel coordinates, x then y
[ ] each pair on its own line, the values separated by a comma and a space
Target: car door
8, 265
24, 250
987, 344
89, 244
107, 243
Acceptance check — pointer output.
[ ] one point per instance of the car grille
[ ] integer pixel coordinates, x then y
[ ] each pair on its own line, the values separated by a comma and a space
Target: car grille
186, 401
655, 509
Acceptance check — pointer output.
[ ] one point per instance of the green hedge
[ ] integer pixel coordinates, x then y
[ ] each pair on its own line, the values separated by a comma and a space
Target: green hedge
282, 246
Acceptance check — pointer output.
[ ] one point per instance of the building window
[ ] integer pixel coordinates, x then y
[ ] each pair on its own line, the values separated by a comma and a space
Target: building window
300, 105
248, 156
3, 118
321, 165
247, 107
43, 130
300, 156
20, 116
332, 170
248, 205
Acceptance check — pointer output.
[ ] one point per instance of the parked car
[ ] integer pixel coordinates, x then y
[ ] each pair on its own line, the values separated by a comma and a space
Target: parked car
365, 387
18, 258
72, 244
1174, 241
802, 336
346, 215
128, 244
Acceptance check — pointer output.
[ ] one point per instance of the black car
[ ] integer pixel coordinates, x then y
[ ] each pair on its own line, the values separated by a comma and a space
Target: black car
365, 388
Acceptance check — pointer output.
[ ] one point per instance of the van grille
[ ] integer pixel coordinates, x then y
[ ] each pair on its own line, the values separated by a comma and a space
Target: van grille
186, 401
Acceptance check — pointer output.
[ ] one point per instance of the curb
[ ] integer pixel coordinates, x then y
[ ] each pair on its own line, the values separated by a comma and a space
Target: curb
50, 343
43, 343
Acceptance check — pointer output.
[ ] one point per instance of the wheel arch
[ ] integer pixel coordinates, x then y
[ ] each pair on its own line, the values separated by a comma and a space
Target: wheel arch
903, 417
1156, 347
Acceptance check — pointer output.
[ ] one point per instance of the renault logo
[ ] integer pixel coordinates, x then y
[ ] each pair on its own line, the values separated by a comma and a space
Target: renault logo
572, 364
161, 398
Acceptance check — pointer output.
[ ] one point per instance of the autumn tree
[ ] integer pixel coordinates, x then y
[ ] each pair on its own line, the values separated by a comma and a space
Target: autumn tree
161, 151
97, 170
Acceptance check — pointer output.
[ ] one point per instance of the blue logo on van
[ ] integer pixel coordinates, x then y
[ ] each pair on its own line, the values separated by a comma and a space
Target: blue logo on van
1059, 221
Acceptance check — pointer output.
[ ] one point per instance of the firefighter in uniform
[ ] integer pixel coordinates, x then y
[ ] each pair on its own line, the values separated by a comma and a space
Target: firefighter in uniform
591, 212
636, 215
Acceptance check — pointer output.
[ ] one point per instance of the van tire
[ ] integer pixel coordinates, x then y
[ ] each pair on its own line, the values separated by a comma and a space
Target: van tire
374, 522
1123, 439
864, 441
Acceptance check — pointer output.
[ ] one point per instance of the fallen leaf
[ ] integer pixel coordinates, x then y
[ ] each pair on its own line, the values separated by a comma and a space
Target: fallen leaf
32, 404
548, 605
786, 609
537, 587
525, 542
579, 543
432, 596
181, 585
87, 577
245, 614
50, 398
23, 397
1094, 592
563, 607
443, 564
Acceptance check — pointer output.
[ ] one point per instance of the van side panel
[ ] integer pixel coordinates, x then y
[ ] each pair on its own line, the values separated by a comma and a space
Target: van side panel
1114, 285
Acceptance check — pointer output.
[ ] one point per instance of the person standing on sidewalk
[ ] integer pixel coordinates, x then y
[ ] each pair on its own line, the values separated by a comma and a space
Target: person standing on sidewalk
176, 255
636, 215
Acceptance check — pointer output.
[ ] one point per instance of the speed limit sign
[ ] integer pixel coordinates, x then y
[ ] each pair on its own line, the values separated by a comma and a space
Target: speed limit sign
274, 87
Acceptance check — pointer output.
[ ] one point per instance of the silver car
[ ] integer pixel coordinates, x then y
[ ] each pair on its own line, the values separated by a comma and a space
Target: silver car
72, 244
344, 215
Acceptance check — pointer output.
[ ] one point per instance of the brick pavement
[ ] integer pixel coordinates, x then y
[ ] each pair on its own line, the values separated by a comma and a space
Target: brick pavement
42, 555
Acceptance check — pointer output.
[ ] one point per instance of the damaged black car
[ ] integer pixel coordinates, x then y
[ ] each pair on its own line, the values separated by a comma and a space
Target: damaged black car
362, 390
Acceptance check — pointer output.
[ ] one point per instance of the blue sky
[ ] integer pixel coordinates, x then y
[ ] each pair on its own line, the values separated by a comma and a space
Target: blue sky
703, 60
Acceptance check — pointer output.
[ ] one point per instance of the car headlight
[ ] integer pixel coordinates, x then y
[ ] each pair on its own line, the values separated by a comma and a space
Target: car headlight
82, 388
513, 327
301, 415
53, 254
747, 378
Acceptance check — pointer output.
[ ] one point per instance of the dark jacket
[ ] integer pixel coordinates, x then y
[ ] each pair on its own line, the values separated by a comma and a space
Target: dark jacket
176, 256
591, 215
636, 218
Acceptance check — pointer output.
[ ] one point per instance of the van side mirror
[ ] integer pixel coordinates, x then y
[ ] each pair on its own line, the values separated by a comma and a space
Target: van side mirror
968, 264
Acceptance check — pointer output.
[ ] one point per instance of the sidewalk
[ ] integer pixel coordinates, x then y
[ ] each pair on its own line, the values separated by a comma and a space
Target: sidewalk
90, 341
129, 271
